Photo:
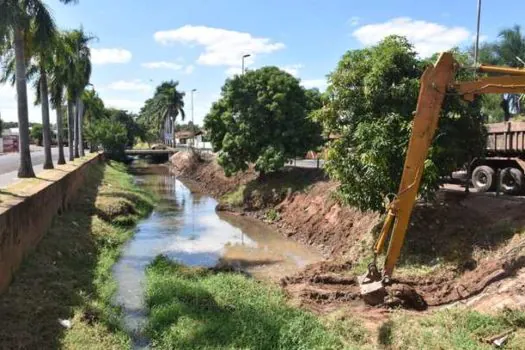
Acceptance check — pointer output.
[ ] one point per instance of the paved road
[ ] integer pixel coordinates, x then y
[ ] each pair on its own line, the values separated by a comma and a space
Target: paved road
9, 164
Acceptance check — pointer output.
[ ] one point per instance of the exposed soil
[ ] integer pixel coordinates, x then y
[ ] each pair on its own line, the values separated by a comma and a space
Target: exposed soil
457, 247
206, 175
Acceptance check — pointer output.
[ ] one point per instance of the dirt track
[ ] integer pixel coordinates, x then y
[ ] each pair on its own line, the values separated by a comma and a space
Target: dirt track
457, 247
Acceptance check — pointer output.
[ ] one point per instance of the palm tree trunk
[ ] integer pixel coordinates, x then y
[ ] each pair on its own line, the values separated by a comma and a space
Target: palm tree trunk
61, 159
46, 130
70, 118
25, 168
80, 126
75, 123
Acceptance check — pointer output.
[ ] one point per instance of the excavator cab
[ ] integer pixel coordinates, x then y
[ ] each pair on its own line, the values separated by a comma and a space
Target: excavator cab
436, 82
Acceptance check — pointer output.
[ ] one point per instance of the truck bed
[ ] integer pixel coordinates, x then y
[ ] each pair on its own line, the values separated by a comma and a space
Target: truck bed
506, 139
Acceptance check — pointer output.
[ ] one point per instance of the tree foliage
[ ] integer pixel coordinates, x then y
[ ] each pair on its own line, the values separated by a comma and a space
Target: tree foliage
262, 117
37, 133
167, 102
371, 99
110, 135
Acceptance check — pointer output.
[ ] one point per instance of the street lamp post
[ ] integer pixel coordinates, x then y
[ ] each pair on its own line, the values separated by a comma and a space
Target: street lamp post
243, 57
476, 45
192, 120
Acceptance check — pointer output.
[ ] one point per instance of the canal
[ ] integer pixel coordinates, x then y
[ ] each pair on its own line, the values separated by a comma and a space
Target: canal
185, 227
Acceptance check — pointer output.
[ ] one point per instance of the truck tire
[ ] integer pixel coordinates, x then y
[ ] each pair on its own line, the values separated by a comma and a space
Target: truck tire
511, 181
483, 178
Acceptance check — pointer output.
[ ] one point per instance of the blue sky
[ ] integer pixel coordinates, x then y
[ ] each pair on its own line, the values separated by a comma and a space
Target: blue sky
200, 42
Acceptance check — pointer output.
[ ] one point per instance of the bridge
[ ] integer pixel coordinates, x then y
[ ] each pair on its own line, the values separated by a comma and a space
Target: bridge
168, 151
151, 152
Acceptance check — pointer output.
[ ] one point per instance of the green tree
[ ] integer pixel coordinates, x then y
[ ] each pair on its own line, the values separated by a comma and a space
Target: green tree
57, 86
166, 104
16, 21
133, 129
37, 131
94, 109
110, 135
262, 117
511, 44
372, 95
79, 73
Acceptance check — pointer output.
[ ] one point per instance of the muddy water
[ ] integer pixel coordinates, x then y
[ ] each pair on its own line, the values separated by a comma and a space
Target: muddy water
185, 227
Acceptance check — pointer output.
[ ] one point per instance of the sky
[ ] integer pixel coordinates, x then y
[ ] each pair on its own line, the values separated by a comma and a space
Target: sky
200, 42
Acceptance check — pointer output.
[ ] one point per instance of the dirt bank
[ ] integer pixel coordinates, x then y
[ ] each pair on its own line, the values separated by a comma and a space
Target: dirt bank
455, 248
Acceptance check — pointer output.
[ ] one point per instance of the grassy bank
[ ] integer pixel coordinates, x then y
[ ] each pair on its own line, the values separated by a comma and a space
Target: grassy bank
195, 308
192, 308
68, 277
454, 329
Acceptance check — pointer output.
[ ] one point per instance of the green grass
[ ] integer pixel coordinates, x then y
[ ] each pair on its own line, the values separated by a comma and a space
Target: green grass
270, 189
453, 329
235, 198
194, 308
69, 276
273, 215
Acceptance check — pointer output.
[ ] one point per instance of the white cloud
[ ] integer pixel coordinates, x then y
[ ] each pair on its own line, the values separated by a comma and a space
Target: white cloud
292, 69
106, 56
427, 37
129, 105
130, 85
162, 65
233, 71
314, 83
189, 69
354, 21
222, 47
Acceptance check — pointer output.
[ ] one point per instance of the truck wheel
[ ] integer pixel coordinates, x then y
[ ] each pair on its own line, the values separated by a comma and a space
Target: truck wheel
483, 178
511, 181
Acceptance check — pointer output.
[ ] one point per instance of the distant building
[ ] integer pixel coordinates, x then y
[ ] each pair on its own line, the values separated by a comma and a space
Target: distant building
188, 138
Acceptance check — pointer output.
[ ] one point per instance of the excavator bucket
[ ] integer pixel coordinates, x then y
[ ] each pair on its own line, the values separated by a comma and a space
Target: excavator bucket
372, 288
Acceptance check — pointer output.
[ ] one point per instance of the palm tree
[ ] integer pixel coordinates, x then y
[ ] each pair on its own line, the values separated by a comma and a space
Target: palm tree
93, 109
57, 87
38, 54
166, 105
17, 18
79, 73
511, 45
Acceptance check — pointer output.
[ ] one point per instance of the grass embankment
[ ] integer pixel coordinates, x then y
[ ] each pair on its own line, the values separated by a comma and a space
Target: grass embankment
68, 277
454, 329
271, 189
195, 308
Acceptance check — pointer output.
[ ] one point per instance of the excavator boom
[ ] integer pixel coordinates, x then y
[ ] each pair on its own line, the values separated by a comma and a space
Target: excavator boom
436, 81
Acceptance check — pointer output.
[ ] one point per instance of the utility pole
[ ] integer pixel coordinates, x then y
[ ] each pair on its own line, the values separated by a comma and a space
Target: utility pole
192, 120
243, 57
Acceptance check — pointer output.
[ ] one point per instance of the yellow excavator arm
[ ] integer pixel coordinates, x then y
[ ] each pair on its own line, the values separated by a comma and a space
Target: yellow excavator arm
436, 81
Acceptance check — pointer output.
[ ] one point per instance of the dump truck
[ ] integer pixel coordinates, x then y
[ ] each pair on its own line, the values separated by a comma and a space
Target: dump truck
504, 160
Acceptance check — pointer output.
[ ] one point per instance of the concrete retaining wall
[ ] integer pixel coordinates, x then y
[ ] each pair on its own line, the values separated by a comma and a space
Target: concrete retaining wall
28, 207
